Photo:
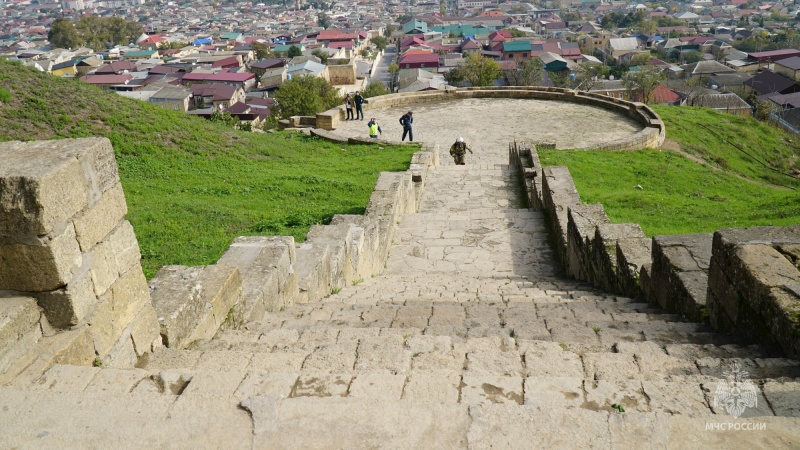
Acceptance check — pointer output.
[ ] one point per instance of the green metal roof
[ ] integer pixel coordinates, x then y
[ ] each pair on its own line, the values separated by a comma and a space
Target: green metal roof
517, 46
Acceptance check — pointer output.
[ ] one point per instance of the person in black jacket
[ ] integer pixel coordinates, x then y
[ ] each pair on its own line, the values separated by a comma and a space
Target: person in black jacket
406, 122
359, 101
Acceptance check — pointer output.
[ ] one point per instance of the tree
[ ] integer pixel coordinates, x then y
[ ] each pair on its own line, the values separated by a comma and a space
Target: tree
647, 27
515, 32
394, 69
380, 42
692, 56
63, 34
321, 54
323, 20
375, 89
528, 73
480, 70
389, 30
306, 95
263, 51
587, 76
294, 51
641, 59
643, 81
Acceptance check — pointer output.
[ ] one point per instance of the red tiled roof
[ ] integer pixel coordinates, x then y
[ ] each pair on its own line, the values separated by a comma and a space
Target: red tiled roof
420, 58
226, 62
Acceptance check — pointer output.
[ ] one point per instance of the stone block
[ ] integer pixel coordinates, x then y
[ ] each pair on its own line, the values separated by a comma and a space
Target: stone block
19, 328
124, 247
41, 263
70, 305
101, 218
192, 302
582, 222
118, 308
45, 183
678, 275
604, 252
559, 193
267, 268
145, 331
632, 256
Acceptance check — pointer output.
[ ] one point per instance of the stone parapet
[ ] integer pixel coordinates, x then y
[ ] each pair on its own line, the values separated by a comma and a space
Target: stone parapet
582, 221
269, 281
633, 256
754, 285
191, 303
558, 195
64, 242
679, 273
604, 251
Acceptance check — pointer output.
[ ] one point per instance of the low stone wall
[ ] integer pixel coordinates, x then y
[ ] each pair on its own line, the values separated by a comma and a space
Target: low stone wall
651, 136
64, 241
742, 280
342, 74
754, 284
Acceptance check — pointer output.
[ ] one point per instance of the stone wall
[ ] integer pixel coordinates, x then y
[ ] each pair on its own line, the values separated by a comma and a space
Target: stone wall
652, 135
754, 284
742, 280
341, 74
64, 241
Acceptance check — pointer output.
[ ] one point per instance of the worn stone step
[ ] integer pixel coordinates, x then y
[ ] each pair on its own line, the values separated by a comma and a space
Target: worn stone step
19, 329
66, 347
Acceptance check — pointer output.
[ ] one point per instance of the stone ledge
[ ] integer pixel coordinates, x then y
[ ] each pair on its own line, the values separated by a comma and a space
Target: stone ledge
679, 274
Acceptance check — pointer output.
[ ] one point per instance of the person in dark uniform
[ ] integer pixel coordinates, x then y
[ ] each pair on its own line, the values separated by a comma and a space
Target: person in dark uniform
359, 101
406, 122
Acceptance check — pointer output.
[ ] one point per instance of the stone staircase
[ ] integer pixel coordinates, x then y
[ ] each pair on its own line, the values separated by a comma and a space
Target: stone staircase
470, 338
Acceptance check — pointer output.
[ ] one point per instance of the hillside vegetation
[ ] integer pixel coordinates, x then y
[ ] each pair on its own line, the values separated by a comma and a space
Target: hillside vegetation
746, 179
193, 185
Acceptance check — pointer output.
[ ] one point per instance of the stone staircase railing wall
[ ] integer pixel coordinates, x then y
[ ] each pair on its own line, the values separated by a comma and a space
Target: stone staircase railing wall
72, 290
66, 250
652, 135
742, 280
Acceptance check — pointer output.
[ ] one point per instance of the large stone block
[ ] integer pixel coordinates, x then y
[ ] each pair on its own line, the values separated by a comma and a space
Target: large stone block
69, 305
45, 183
192, 302
18, 316
678, 275
117, 308
582, 220
633, 255
266, 265
558, 195
40, 263
97, 221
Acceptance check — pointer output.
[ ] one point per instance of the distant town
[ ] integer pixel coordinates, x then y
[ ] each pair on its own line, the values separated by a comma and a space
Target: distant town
206, 58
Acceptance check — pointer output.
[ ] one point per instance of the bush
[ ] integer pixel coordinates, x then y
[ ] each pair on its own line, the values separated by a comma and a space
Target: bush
306, 96
375, 89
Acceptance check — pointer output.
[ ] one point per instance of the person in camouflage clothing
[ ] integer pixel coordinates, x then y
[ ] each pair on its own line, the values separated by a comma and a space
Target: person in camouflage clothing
458, 150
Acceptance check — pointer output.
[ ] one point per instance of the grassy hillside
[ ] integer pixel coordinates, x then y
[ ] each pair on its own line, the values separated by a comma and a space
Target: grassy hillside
747, 184
193, 185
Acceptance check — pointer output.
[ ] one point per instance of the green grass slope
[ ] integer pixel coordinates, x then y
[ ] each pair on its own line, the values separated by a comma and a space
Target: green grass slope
745, 186
193, 185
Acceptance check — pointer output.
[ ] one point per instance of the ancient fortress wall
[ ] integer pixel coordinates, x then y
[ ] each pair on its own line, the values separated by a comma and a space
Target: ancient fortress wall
652, 135
742, 280
72, 290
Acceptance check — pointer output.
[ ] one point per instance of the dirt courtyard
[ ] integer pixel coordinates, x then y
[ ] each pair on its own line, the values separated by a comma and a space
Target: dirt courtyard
488, 125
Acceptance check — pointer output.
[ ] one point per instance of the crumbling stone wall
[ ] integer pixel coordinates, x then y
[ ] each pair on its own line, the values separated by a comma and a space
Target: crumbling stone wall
754, 284
64, 241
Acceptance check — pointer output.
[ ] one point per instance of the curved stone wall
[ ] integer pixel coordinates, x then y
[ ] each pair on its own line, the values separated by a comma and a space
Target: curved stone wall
652, 135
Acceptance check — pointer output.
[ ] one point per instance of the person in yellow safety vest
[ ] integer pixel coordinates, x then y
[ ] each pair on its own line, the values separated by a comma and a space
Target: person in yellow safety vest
374, 128
459, 150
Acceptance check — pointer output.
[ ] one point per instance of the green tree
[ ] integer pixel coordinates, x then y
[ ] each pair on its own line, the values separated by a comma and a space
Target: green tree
528, 73
323, 20
380, 42
306, 96
294, 51
515, 32
394, 69
321, 54
587, 76
480, 70
263, 51
643, 82
375, 89
63, 34
692, 56
389, 30
641, 59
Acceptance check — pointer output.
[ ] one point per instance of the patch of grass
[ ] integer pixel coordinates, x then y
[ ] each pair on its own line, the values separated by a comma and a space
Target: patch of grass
336, 290
193, 185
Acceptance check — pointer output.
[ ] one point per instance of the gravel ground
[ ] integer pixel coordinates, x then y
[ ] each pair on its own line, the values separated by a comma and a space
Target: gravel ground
488, 125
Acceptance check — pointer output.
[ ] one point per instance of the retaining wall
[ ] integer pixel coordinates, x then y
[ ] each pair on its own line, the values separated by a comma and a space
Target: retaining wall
742, 280
652, 135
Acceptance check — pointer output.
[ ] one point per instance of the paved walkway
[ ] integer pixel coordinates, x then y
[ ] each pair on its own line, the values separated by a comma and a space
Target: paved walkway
470, 339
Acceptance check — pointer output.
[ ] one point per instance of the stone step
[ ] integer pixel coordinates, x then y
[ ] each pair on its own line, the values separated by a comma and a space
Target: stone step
46, 418
20, 329
232, 380
66, 347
